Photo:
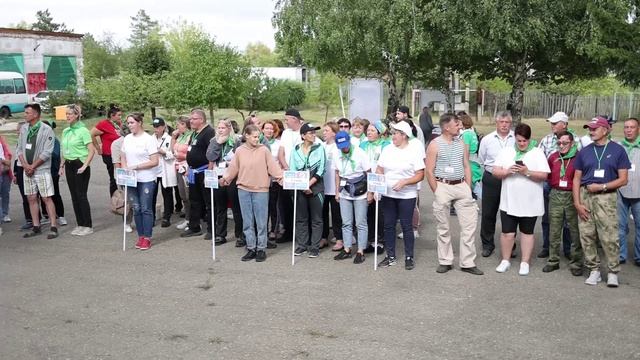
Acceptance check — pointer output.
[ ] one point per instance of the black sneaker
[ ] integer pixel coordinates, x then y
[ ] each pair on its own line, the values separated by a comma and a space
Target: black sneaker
314, 253
165, 223
220, 241
409, 264
190, 232
261, 256
271, 244
299, 251
342, 255
388, 261
241, 243
250, 255
371, 249
359, 259
544, 253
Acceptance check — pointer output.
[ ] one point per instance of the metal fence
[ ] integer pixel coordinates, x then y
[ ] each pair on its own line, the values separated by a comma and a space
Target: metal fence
542, 105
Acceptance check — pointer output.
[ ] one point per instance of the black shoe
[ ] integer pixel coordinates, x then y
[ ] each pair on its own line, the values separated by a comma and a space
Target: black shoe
314, 253
183, 215
549, 268
220, 241
576, 272
441, 269
544, 253
409, 264
567, 256
190, 232
165, 223
261, 256
35, 231
342, 255
388, 261
208, 236
472, 270
299, 251
623, 261
637, 262
283, 240
513, 251
250, 255
53, 233
271, 244
359, 259
487, 252
241, 243
371, 249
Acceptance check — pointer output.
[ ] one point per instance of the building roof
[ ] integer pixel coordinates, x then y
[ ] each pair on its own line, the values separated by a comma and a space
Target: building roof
10, 31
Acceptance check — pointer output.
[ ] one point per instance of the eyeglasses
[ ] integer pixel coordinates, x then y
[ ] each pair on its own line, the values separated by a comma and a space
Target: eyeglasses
344, 126
563, 143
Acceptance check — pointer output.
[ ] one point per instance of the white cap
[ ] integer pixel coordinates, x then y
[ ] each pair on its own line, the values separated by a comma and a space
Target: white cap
557, 117
404, 127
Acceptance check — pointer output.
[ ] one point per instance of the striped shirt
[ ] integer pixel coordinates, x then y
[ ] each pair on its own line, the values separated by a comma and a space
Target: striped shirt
450, 159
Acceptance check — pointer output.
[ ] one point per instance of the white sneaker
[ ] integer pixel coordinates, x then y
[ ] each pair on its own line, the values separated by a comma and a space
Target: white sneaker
85, 231
128, 229
416, 235
76, 230
504, 266
6, 219
182, 225
62, 221
524, 269
229, 214
612, 280
594, 278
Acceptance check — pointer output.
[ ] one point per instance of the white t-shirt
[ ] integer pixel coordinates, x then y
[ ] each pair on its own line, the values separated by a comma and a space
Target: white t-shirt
416, 145
138, 150
399, 164
275, 147
520, 195
329, 169
351, 169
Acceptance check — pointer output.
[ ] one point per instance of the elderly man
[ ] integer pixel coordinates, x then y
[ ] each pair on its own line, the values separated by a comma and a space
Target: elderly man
601, 168
490, 146
629, 195
449, 176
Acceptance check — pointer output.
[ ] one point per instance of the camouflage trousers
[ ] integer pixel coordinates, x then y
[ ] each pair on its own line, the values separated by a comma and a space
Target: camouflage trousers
561, 208
602, 225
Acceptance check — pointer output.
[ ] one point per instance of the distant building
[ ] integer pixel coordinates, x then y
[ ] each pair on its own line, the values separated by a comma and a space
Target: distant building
285, 73
47, 60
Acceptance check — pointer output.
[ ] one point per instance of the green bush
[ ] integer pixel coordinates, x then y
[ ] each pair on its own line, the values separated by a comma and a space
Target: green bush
66, 97
279, 95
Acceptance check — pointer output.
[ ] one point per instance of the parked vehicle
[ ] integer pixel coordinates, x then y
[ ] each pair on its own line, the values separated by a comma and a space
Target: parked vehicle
13, 93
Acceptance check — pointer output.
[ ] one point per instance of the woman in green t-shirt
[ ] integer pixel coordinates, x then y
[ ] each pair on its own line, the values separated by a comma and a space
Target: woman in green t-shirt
77, 153
470, 137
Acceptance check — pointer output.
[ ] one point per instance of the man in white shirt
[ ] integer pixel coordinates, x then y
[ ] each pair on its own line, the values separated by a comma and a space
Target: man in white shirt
490, 146
403, 113
288, 141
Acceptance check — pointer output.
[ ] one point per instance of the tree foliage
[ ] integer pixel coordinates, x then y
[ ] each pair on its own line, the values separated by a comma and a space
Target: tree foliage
151, 57
143, 28
44, 22
324, 91
260, 55
101, 57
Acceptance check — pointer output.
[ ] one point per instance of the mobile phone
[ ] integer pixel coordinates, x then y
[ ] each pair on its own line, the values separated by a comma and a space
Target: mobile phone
519, 162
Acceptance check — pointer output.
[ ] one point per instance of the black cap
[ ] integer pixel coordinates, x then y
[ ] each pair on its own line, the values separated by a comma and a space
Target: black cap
158, 121
404, 109
306, 127
293, 112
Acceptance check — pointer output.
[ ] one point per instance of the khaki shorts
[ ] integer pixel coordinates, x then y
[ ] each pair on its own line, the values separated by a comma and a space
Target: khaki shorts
39, 183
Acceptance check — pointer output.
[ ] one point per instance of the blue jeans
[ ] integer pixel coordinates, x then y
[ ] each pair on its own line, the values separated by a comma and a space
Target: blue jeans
347, 208
254, 207
141, 200
394, 210
5, 188
566, 234
624, 205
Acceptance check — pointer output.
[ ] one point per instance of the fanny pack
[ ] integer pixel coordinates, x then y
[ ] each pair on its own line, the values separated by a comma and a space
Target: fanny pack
356, 186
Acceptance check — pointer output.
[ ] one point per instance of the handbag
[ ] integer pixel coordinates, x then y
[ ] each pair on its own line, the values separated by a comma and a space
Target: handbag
356, 186
117, 202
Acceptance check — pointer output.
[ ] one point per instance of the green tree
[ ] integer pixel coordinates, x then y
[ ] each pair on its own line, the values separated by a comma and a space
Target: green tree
143, 28
101, 58
324, 90
44, 22
260, 55
130, 90
151, 58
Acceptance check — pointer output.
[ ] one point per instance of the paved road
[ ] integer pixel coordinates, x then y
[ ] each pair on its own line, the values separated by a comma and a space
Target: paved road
84, 298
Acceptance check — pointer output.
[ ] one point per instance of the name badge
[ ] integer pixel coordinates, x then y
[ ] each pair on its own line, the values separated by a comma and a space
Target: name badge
28, 146
598, 173
343, 183
633, 167
563, 183
189, 148
449, 170
195, 141
221, 169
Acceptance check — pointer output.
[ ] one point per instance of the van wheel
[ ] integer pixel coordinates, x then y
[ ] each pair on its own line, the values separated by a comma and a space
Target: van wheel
5, 112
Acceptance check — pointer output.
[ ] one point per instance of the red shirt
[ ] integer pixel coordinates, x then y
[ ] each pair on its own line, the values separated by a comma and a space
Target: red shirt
555, 164
109, 135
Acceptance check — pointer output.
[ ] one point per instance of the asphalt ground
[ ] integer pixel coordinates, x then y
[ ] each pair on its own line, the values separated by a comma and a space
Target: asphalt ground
84, 298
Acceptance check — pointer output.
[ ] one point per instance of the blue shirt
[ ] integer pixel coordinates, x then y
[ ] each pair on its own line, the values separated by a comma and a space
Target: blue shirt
613, 158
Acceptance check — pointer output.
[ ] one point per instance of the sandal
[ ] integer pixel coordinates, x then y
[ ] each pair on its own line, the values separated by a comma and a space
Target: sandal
52, 235
338, 246
35, 231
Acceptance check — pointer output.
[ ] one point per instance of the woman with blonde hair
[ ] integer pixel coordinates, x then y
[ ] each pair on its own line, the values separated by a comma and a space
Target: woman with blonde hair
78, 151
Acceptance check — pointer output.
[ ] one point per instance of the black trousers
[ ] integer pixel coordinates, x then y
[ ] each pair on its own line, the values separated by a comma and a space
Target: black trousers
78, 187
371, 222
200, 199
330, 204
286, 198
108, 161
56, 198
167, 200
309, 221
274, 194
221, 197
491, 187
18, 172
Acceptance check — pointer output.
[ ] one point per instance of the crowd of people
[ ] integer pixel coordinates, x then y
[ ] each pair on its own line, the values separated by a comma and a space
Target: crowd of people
585, 191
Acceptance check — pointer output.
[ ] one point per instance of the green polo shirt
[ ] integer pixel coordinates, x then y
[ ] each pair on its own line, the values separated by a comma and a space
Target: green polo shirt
75, 141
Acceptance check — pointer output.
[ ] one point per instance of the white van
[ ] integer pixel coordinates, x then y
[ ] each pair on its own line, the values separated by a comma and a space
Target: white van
13, 93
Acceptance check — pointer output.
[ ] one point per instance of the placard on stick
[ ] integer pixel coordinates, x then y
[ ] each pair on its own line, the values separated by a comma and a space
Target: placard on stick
210, 179
126, 177
295, 180
376, 183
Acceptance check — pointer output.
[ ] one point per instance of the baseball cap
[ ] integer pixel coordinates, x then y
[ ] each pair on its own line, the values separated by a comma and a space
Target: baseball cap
405, 109
380, 127
597, 122
404, 127
343, 140
306, 127
293, 112
158, 121
557, 117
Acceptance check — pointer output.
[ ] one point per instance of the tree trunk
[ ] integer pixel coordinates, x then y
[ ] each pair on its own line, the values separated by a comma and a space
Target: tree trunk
153, 113
326, 113
211, 114
516, 98
393, 102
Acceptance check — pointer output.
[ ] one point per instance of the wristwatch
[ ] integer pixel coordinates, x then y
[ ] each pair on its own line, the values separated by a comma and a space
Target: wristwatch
604, 187
527, 174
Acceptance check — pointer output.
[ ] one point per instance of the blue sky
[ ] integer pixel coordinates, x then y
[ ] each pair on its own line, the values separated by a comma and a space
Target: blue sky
236, 22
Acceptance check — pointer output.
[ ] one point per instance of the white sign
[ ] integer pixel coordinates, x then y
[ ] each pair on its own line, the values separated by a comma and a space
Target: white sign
376, 183
210, 179
295, 180
126, 177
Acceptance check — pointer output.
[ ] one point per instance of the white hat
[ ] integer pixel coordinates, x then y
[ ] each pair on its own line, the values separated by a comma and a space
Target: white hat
557, 117
404, 127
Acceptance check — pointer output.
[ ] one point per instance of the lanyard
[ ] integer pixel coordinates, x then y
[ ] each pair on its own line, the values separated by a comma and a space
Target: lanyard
563, 167
33, 131
346, 158
599, 158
